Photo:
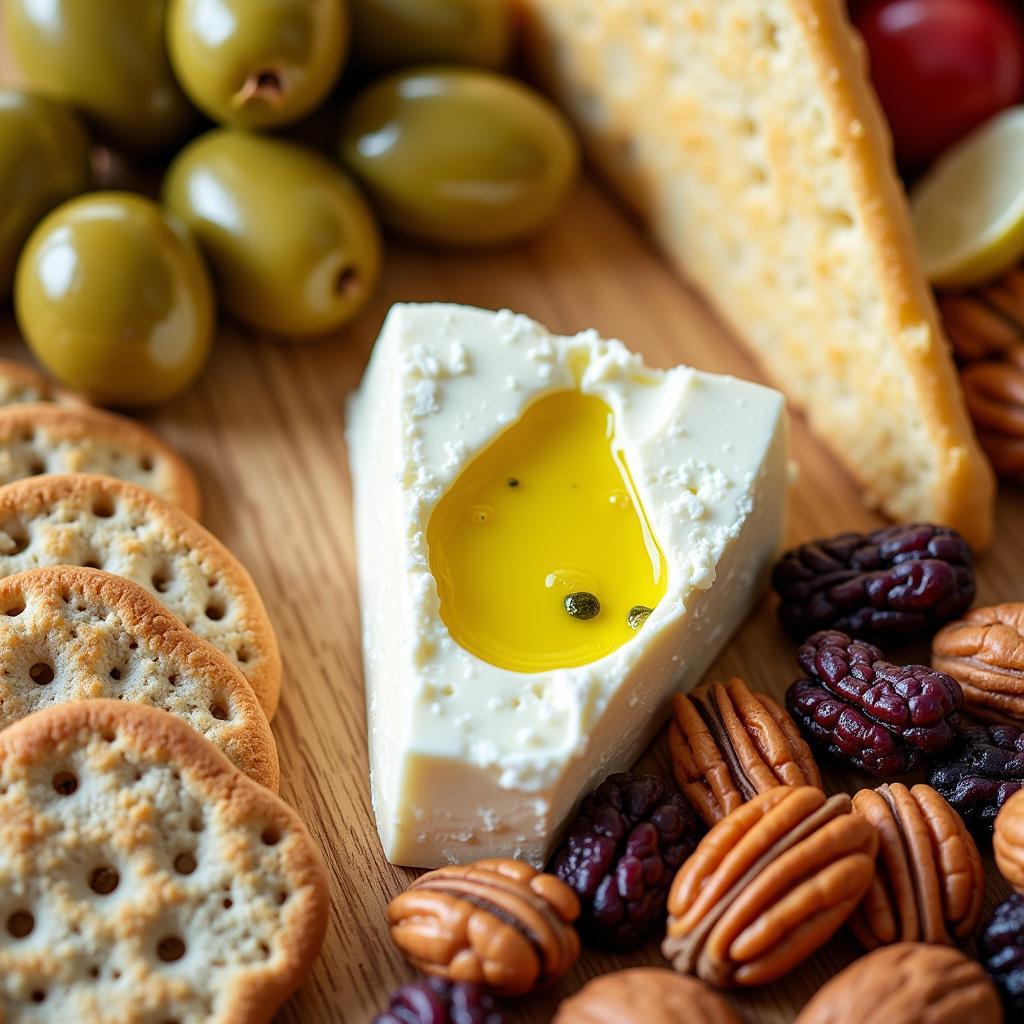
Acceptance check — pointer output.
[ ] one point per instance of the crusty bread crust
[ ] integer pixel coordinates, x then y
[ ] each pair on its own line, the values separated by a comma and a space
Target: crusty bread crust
143, 767
150, 542
69, 634
48, 438
747, 135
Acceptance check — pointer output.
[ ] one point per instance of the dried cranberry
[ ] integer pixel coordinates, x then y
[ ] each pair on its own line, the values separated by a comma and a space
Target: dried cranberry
1001, 948
982, 772
621, 855
881, 717
435, 1001
894, 584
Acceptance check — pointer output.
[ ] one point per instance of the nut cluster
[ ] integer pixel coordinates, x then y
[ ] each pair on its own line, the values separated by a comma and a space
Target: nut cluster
728, 744
984, 652
930, 884
909, 983
884, 718
620, 855
981, 772
496, 923
768, 885
893, 584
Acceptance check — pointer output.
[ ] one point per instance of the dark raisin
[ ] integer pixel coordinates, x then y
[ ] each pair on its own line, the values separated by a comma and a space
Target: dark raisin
884, 718
981, 773
621, 854
1001, 949
891, 585
435, 1001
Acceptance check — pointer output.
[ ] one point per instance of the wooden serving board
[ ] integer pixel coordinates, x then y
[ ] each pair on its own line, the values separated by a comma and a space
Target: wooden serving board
264, 426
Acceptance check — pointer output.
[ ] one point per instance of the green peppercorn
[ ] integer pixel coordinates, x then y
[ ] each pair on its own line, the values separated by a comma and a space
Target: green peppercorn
637, 615
582, 605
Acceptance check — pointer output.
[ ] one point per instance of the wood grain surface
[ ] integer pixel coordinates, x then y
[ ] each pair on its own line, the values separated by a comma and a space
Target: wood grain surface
264, 429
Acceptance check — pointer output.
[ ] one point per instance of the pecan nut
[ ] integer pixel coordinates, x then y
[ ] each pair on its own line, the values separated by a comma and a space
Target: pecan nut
1008, 841
768, 885
984, 653
881, 717
929, 884
985, 322
496, 923
645, 995
728, 744
909, 983
994, 391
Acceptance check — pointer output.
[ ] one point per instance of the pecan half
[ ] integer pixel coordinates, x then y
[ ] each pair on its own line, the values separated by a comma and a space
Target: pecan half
1008, 841
984, 653
768, 885
987, 321
645, 995
728, 744
497, 923
909, 983
994, 390
929, 884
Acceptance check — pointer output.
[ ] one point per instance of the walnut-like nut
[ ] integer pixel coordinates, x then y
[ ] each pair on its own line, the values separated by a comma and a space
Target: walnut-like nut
984, 652
728, 744
994, 390
985, 322
929, 880
645, 995
909, 983
1008, 841
497, 923
768, 885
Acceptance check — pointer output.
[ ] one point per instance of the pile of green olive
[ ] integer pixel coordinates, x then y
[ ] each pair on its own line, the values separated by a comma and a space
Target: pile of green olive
328, 116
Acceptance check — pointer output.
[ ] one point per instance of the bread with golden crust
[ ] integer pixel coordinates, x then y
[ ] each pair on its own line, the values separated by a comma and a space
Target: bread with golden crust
98, 521
70, 634
43, 437
747, 136
143, 878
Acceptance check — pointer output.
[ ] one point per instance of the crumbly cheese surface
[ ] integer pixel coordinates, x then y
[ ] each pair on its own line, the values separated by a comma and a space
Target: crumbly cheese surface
471, 760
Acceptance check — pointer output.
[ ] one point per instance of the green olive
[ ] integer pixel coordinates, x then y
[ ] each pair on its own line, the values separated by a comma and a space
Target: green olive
293, 246
113, 297
107, 58
257, 63
459, 156
44, 159
394, 33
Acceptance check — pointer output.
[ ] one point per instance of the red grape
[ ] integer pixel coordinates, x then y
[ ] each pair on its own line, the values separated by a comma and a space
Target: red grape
941, 67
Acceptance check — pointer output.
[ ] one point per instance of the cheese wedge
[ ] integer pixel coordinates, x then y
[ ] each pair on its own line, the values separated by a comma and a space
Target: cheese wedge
747, 136
551, 539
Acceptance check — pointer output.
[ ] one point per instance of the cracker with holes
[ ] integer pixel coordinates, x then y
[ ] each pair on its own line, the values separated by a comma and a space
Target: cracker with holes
143, 879
40, 438
73, 634
109, 524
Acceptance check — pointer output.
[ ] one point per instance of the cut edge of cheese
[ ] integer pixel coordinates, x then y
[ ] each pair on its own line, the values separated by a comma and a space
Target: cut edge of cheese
748, 137
469, 760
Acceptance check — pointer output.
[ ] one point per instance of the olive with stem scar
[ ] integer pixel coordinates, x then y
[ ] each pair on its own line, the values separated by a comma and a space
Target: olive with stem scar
582, 605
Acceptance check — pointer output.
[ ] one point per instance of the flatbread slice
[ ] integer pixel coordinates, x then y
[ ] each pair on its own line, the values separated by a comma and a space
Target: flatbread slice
747, 136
